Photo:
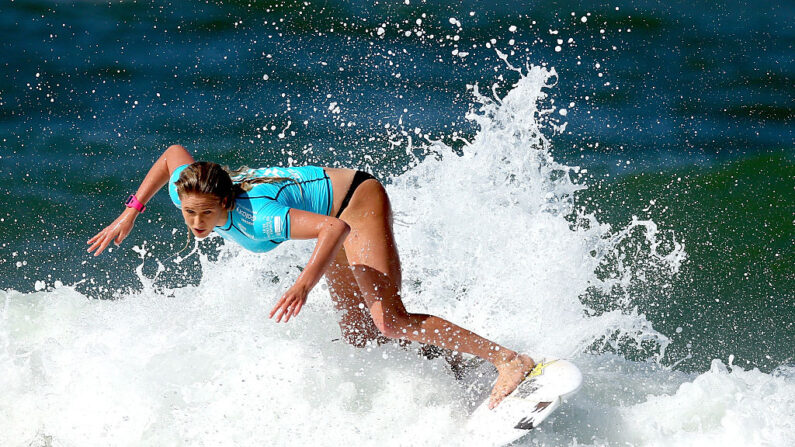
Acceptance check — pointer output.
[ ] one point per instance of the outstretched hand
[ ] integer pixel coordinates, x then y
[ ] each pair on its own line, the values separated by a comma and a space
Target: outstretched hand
115, 232
290, 303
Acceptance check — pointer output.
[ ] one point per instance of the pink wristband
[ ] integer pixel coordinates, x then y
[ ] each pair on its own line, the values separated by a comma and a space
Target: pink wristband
132, 202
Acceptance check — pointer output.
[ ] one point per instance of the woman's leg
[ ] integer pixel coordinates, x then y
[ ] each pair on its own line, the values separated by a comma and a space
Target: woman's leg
355, 322
372, 253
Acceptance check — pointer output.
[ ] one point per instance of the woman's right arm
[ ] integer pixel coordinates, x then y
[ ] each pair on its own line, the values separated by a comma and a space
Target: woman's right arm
173, 157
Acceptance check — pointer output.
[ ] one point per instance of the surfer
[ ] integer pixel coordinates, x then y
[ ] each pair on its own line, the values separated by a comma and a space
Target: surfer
349, 214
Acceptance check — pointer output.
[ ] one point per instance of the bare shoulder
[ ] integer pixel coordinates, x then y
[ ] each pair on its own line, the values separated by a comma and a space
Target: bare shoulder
175, 156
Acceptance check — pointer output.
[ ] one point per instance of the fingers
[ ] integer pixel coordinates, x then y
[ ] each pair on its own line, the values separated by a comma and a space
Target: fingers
115, 232
103, 245
281, 307
96, 236
276, 307
95, 242
285, 312
293, 310
297, 308
287, 307
101, 241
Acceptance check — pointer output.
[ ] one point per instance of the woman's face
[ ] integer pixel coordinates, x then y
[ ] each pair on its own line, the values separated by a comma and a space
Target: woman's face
202, 213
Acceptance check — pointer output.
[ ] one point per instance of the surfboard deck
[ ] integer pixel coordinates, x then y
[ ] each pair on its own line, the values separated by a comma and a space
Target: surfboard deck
538, 396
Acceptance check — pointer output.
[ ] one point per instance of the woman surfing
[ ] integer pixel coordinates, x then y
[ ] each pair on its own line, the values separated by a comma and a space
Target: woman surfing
349, 214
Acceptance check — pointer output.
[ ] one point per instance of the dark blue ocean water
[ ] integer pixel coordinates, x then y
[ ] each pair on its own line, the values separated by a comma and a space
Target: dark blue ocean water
92, 92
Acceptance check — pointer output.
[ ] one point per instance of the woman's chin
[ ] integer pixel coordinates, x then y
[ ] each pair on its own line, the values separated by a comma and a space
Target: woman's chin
201, 234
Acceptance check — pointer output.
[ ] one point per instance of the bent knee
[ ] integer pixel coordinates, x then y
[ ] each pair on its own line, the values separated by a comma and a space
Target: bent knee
391, 325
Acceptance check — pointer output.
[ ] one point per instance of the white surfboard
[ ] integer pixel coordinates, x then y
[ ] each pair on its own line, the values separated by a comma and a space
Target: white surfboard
541, 393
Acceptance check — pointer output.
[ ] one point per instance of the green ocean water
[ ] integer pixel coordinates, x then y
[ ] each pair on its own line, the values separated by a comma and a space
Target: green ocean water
735, 293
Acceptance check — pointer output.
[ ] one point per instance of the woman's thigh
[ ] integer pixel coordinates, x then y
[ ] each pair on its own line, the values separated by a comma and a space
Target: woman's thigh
355, 321
371, 250
342, 284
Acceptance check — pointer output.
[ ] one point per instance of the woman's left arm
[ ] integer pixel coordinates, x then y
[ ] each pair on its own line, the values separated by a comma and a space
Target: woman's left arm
330, 233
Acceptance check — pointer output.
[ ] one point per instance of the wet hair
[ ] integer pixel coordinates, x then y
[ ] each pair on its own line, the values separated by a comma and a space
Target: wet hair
204, 177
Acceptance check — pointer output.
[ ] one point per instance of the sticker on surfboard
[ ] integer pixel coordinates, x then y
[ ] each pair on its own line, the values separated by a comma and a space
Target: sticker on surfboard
540, 394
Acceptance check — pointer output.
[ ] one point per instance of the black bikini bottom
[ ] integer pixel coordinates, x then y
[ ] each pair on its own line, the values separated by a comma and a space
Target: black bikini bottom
358, 178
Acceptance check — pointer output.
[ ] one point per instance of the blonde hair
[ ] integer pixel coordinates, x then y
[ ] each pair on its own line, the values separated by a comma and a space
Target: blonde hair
245, 180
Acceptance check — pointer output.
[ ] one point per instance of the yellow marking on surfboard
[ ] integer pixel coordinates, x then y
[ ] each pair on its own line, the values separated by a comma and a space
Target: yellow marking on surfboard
537, 370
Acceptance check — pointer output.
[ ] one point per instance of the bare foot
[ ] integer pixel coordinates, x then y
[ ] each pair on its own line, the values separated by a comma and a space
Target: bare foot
511, 374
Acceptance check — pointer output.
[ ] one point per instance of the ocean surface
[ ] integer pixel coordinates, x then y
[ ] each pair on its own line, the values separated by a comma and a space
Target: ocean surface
613, 182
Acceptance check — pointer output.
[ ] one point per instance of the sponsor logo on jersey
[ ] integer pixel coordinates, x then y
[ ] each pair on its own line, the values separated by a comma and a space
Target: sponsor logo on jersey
246, 215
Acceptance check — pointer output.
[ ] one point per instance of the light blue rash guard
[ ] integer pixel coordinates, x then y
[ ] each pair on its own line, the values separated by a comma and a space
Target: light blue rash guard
260, 219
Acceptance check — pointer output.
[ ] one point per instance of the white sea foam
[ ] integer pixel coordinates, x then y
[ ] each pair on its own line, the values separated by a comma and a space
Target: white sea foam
492, 240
